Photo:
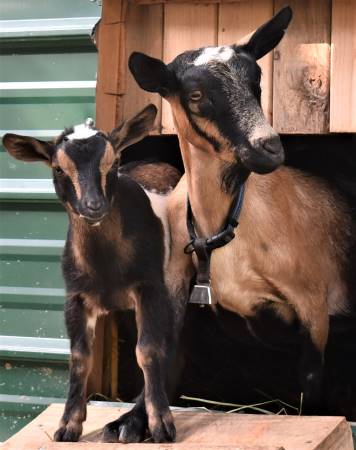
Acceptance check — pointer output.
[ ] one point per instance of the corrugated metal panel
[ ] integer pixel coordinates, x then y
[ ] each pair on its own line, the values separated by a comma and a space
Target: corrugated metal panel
47, 82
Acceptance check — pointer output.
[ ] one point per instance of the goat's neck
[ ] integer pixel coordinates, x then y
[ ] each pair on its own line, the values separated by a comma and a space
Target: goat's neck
210, 204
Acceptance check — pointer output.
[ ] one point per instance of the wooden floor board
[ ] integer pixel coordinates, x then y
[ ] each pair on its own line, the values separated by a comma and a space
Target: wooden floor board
198, 430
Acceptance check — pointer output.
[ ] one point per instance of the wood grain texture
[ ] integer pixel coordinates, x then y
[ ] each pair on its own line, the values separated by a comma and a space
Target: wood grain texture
236, 22
147, 2
110, 357
95, 380
301, 69
186, 26
110, 85
343, 66
199, 431
144, 33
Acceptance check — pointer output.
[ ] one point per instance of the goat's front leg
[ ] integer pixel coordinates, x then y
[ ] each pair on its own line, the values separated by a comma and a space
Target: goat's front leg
80, 327
315, 331
158, 327
157, 336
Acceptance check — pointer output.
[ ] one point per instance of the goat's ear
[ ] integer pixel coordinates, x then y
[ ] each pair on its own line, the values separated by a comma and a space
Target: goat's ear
268, 35
151, 74
135, 129
26, 148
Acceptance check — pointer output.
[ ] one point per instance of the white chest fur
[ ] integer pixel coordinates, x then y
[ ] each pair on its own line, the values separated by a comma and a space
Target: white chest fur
159, 206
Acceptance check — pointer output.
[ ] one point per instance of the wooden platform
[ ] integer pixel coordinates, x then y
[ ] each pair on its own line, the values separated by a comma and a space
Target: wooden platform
198, 431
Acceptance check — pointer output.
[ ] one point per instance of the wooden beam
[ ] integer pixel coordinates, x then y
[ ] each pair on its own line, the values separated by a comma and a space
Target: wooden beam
343, 66
110, 83
197, 430
236, 22
144, 33
152, 2
186, 26
110, 357
95, 380
301, 69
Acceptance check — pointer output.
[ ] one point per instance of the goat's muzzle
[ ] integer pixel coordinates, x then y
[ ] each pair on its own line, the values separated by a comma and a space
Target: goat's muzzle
264, 155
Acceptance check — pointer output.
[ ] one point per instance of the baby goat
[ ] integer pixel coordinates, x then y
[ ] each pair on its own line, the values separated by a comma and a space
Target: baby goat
113, 258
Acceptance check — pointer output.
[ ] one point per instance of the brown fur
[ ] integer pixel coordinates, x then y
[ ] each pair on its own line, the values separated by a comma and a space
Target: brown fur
106, 163
68, 166
190, 137
289, 247
160, 177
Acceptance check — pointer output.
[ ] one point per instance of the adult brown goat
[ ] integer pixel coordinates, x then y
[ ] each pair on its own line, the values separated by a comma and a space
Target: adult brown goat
291, 258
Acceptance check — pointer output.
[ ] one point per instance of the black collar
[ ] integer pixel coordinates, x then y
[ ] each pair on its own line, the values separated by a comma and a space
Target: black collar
226, 234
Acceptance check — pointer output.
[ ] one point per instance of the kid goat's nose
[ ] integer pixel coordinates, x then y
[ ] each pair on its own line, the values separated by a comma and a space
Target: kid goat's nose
94, 205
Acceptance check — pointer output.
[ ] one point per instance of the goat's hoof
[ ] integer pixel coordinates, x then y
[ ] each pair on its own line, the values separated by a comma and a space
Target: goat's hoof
163, 429
129, 428
65, 434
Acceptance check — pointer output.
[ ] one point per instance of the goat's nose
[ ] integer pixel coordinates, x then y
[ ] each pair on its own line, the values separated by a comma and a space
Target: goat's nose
271, 145
94, 205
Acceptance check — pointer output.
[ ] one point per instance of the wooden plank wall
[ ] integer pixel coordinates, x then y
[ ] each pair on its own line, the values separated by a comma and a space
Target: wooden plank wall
343, 66
144, 33
309, 81
315, 62
301, 70
186, 26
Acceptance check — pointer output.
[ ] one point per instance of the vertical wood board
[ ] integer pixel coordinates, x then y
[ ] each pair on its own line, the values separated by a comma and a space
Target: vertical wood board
95, 379
236, 21
186, 27
343, 66
144, 33
301, 69
111, 54
145, 2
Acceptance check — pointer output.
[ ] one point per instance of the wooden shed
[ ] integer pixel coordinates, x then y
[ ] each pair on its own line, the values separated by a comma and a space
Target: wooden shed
308, 83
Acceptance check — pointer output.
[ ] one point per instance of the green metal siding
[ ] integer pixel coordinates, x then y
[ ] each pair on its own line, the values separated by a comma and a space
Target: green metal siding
47, 82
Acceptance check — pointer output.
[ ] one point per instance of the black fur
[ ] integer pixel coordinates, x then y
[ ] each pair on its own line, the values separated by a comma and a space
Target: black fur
109, 267
230, 93
110, 278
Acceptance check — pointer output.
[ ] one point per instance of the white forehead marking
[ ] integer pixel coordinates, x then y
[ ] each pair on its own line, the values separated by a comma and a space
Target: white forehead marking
214, 54
82, 131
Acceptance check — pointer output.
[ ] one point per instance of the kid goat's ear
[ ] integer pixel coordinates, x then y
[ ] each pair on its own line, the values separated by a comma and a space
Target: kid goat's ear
26, 148
135, 129
268, 35
151, 74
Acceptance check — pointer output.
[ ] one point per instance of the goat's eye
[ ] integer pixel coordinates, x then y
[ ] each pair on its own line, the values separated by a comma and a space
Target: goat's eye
195, 96
58, 170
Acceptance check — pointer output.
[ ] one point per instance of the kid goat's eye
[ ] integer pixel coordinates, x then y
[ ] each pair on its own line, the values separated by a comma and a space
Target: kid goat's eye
195, 96
58, 170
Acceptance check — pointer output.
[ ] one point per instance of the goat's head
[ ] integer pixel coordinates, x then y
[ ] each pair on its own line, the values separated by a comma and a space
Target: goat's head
215, 96
82, 159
